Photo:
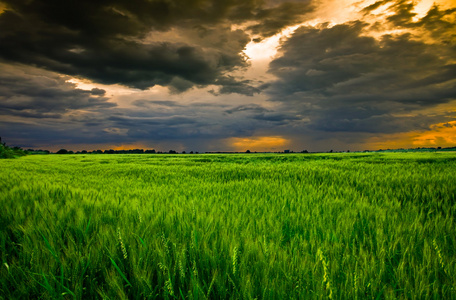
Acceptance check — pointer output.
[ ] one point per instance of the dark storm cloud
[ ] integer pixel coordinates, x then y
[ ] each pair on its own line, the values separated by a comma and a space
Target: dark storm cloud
67, 115
375, 124
28, 113
129, 121
285, 14
148, 103
248, 107
97, 92
259, 113
31, 134
277, 118
231, 85
27, 92
107, 41
375, 5
403, 13
344, 80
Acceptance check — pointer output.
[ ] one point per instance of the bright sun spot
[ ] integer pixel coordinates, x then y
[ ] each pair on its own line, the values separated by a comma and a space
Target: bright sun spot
82, 84
423, 6
267, 48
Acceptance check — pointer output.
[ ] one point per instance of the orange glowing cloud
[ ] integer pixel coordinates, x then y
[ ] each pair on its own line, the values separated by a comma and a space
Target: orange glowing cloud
442, 134
262, 143
439, 135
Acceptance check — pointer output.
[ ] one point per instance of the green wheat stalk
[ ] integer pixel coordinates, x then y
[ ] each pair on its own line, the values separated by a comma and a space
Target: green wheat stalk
326, 280
122, 245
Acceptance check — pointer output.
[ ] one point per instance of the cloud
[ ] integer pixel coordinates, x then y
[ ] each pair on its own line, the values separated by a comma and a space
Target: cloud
154, 123
116, 131
439, 135
368, 9
278, 118
97, 92
149, 103
344, 80
273, 20
230, 85
248, 107
263, 115
172, 121
438, 23
139, 44
31, 93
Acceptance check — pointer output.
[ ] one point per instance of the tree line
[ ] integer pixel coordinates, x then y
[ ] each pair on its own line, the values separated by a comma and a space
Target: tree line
130, 151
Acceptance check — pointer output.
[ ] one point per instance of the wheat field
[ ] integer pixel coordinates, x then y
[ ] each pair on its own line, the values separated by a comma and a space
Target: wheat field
213, 226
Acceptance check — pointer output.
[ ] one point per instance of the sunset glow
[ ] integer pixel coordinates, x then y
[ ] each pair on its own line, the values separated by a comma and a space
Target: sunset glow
260, 144
442, 134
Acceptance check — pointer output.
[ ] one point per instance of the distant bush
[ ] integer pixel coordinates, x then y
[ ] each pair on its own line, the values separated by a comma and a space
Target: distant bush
62, 151
7, 152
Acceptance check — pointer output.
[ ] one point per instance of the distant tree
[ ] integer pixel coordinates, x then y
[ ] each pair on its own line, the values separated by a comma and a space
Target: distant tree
172, 152
84, 151
62, 151
248, 151
183, 152
70, 152
191, 152
304, 151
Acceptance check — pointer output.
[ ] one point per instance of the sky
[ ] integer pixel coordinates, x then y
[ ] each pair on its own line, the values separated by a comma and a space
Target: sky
228, 75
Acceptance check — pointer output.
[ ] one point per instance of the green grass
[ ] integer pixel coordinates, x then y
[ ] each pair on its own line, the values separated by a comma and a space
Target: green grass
265, 226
